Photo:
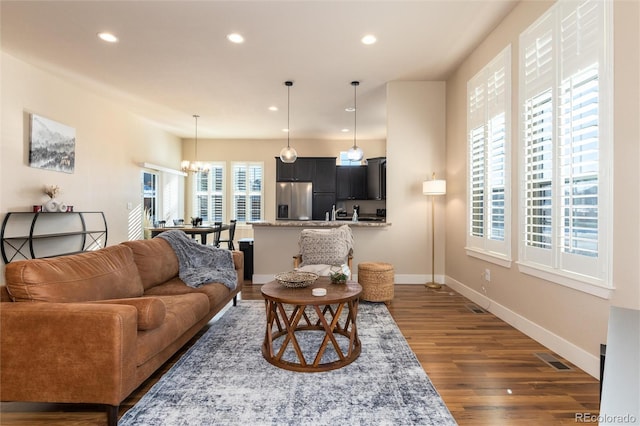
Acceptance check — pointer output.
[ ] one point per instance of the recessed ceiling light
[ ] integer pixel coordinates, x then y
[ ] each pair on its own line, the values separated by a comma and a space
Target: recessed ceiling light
235, 38
344, 130
349, 109
108, 37
273, 108
285, 130
369, 39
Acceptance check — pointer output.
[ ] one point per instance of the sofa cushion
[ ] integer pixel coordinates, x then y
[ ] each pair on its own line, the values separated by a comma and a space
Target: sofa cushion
156, 260
183, 312
151, 310
108, 273
216, 292
325, 246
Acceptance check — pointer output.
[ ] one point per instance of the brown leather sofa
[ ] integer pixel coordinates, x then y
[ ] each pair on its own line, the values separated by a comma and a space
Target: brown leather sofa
92, 327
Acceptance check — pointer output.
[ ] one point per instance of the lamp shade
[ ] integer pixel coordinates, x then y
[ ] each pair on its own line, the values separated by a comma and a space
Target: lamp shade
434, 187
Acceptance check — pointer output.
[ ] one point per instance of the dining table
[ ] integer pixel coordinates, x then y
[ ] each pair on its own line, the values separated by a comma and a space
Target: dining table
202, 230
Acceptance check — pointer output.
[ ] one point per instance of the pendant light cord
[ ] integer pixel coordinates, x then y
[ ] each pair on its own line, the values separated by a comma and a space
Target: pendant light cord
196, 116
288, 113
355, 111
288, 84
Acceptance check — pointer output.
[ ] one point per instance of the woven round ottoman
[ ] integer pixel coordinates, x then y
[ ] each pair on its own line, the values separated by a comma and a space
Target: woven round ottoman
376, 279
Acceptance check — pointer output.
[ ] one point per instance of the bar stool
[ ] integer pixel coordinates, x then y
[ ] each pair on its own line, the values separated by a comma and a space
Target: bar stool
377, 280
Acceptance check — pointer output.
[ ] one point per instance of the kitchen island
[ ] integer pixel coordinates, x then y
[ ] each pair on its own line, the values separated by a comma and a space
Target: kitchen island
276, 243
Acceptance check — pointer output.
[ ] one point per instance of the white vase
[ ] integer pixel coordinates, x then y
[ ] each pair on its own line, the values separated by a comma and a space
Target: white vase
52, 205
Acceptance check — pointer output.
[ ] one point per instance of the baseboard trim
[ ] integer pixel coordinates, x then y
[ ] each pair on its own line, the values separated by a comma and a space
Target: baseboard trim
261, 278
417, 278
586, 361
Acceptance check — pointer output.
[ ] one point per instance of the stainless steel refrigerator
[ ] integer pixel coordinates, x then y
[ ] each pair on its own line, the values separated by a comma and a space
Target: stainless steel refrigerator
294, 200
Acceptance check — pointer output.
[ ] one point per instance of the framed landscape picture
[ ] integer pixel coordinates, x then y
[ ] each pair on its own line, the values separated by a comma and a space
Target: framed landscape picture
52, 145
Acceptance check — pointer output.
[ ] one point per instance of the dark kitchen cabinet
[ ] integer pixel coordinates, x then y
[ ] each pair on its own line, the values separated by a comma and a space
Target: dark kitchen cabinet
351, 182
325, 176
322, 203
324, 187
377, 178
303, 170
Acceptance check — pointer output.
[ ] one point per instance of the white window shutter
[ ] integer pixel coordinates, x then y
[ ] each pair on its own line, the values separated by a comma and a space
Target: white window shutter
488, 118
565, 134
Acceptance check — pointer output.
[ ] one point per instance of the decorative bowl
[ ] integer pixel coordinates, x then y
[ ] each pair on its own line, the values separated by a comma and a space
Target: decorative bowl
296, 279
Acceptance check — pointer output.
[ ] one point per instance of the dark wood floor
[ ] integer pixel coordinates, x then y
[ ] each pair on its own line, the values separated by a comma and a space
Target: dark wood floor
483, 368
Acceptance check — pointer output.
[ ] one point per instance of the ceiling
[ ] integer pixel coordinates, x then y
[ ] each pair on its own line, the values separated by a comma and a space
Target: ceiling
173, 59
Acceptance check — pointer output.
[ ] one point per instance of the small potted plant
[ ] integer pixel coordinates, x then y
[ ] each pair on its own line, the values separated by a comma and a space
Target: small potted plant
338, 277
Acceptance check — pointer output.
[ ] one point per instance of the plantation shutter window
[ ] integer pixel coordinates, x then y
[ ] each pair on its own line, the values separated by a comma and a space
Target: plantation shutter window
248, 197
488, 124
566, 86
209, 193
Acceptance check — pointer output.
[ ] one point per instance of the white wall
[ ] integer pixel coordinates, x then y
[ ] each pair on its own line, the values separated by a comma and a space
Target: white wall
568, 321
110, 143
415, 150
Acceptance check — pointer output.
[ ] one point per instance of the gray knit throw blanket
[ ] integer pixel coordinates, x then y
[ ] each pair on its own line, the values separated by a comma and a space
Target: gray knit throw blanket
201, 264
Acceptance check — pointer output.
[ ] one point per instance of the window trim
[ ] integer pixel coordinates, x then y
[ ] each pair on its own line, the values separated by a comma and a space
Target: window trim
601, 285
484, 247
194, 189
231, 194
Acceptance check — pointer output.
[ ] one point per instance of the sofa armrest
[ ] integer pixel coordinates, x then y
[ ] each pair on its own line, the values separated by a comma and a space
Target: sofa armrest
67, 352
238, 260
151, 310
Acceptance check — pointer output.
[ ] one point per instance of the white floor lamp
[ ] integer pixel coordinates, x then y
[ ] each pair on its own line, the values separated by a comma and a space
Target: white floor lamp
433, 187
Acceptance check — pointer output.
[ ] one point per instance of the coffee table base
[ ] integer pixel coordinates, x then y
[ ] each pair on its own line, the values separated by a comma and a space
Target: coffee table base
288, 325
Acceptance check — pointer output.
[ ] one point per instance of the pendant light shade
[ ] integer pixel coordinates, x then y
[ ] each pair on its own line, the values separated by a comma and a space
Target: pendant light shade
288, 154
355, 152
195, 166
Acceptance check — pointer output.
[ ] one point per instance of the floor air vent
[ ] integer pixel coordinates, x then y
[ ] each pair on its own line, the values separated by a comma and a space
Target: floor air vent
476, 309
552, 361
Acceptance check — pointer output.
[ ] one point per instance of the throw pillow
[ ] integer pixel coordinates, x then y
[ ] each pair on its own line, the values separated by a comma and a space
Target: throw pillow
326, 246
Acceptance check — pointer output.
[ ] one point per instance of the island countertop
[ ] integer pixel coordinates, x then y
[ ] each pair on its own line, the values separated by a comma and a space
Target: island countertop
276, 242
319, 223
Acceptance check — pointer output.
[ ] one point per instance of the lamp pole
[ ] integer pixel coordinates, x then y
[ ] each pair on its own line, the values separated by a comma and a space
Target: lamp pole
433, 187
433, 284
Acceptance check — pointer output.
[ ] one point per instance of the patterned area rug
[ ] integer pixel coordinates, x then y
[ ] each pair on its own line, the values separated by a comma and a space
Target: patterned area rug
224, 380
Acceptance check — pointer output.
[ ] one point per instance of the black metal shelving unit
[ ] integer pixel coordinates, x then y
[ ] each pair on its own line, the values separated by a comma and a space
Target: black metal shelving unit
27, 235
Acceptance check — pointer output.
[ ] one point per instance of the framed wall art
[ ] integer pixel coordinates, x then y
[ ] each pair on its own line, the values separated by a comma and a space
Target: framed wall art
52, 145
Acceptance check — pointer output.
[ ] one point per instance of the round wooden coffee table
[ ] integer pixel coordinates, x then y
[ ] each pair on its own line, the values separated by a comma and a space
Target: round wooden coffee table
294, 311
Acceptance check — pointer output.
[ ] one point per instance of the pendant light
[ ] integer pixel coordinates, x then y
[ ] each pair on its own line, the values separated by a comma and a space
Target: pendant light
288, 154
195, 166
355, 152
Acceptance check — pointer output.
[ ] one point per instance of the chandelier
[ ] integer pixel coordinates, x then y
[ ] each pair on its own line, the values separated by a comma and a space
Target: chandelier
195, 166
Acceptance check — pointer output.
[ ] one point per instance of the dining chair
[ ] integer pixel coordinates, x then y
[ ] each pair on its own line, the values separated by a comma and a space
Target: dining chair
216, 233
232, 233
